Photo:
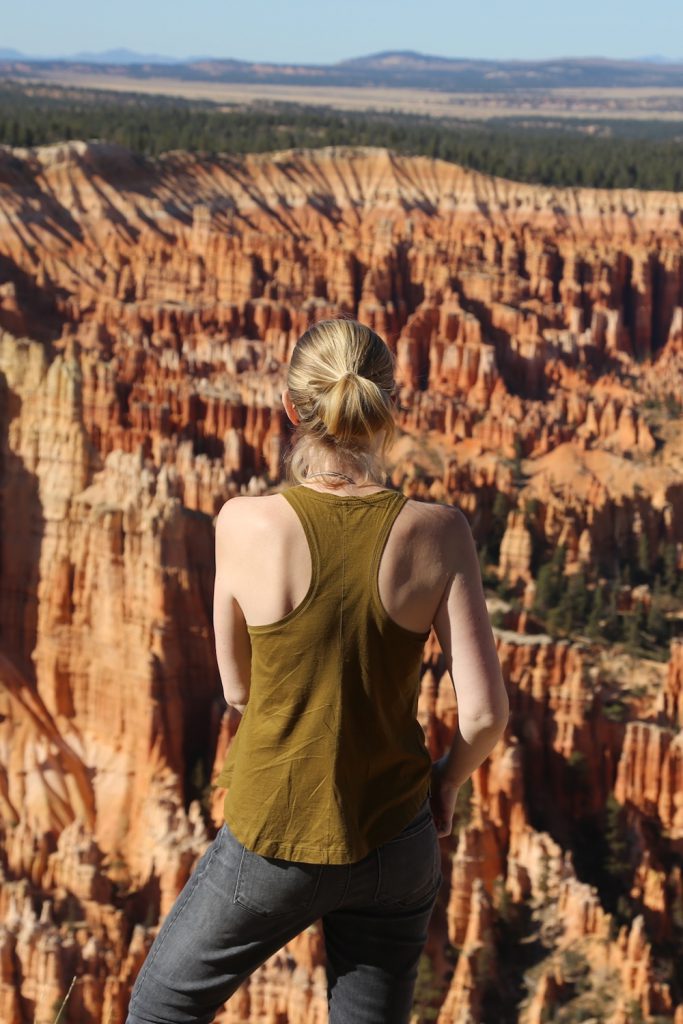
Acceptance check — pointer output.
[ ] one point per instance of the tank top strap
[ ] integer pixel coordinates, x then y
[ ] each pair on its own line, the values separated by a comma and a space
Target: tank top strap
389, 514
306, 515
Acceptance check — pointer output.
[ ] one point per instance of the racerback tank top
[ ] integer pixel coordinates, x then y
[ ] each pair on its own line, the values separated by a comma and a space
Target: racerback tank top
329, 760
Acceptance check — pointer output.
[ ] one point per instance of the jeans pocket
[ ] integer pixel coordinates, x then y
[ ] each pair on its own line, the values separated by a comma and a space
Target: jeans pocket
410, 864
270, 887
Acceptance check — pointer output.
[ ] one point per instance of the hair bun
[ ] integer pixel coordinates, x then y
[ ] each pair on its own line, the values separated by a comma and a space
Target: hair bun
342, 372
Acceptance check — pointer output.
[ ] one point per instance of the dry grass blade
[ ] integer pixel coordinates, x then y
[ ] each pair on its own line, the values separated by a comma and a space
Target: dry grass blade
65, 1001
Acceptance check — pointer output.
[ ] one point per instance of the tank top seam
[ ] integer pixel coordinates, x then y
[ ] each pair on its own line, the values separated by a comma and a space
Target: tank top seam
340, 664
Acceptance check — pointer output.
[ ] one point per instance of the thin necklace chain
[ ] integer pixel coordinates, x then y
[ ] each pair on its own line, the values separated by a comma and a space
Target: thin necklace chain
343, 476
331, 472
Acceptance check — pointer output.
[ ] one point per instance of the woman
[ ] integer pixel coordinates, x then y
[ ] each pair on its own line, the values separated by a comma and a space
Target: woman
325, 594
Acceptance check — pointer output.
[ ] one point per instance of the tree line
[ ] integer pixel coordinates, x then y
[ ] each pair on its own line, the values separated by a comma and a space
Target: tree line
617, 155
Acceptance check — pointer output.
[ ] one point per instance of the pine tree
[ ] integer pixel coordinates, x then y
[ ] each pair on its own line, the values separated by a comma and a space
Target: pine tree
559, 557
656, 625
551, 592
612, 626
634, 627
499, 514
578, 598
617, 860
544, 595
670, 559
597, 611
644, 556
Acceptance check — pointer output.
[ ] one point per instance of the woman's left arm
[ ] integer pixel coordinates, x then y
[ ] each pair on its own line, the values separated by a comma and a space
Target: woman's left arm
233, 648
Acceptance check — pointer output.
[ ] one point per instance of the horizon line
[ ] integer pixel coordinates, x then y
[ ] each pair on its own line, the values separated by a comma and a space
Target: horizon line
83, 55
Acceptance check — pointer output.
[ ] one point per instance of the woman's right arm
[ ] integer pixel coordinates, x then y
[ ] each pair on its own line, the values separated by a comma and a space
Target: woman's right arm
464, 632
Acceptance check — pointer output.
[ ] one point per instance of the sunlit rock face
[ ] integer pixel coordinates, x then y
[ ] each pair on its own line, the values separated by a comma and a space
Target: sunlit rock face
147, 312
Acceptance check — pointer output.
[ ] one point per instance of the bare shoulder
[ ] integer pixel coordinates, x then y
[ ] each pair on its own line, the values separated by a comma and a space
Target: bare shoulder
441, 517
245, 516
446, 527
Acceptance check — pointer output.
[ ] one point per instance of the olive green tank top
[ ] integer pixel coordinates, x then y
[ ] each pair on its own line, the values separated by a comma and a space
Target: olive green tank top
329, 760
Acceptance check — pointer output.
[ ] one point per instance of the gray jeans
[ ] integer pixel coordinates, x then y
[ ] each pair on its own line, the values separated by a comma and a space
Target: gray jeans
238, 909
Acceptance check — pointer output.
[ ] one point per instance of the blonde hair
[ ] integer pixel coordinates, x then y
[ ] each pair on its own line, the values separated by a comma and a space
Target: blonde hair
341, 382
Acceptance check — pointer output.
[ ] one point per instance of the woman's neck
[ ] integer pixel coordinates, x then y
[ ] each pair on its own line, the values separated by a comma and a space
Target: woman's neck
340, 482
331, 475
330, 469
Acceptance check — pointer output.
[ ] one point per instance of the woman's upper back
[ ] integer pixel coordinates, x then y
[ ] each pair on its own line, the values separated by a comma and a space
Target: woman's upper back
428, 574
273, 575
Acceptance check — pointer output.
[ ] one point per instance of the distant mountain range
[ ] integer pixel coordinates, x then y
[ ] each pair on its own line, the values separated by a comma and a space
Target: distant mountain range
118, 56
389, 68
657, 58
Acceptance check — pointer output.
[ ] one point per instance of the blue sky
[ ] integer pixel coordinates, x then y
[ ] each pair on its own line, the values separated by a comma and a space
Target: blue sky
318, 31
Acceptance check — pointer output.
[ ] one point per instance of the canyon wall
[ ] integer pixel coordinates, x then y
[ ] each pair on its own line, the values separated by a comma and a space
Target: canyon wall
147, 311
